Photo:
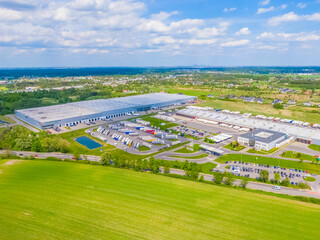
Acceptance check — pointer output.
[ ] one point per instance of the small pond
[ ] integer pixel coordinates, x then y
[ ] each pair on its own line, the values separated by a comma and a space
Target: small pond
88, 142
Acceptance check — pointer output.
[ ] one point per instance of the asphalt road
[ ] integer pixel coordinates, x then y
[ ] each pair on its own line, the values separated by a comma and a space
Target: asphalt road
19, 122
260, 186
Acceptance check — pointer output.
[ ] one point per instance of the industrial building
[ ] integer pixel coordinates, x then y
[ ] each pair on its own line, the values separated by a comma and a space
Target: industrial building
263, 139
71, 114
245, 122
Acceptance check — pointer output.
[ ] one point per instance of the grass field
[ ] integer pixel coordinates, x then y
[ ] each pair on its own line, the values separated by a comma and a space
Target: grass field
312, 168
186, 150
314, 147
232, 147
143, 148
291, 154
60, 200
7, 119
157, 122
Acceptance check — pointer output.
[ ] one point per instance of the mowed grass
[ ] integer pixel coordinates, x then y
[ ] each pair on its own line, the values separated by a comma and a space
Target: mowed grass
157, 122
60, 200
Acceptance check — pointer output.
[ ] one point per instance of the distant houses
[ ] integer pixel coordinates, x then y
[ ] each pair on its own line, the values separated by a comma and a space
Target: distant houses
291, 102
308, 104
277, 101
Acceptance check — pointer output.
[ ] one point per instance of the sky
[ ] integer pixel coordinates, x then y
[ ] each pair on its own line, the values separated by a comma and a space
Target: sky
94, 33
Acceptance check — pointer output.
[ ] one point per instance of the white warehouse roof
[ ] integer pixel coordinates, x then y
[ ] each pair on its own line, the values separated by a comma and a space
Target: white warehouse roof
78, 109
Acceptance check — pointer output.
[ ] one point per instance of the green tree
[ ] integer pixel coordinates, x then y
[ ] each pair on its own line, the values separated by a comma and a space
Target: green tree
76, 156
264, 175
201, 178
277, 177
229, 178
278, 106
244, 183
218, 177
166, 168
105, 158
285, 182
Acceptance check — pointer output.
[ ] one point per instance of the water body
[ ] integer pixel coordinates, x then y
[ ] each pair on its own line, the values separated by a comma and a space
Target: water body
87, 142
15, 73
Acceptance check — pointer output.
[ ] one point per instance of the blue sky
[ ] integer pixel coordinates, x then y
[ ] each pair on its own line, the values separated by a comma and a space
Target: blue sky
43, 33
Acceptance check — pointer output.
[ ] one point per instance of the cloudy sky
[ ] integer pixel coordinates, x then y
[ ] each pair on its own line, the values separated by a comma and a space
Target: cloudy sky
47, 33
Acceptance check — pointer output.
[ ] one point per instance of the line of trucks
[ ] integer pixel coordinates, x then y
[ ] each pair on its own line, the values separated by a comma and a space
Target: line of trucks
157, 138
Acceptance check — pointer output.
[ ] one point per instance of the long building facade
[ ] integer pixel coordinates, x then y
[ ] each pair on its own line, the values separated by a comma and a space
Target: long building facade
87, 111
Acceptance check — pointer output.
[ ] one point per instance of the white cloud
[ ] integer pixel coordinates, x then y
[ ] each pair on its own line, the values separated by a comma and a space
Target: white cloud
265, 35
295, 37
288, 17
265, 10
292, 17
243, 31
264, 2
301, 5
9, 15
232, 9
235, 43
163, 15
313, 17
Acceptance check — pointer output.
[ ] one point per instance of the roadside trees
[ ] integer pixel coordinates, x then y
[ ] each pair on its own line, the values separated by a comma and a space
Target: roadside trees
229, 178
105, 158
277, 177
244, 183
264, 175
285, 182
218, 177
76, 156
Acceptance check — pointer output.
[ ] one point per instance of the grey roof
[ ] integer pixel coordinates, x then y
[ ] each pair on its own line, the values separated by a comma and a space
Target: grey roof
84, 108
265, 136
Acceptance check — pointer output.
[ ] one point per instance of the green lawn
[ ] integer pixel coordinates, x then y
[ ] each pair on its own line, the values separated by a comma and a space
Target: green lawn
256, 151
76, 147
157, 122
186, 150
7, 119
190, 157
313, 168
314, 147
291, 154
233, 147
143, 148
310, 179
62, 200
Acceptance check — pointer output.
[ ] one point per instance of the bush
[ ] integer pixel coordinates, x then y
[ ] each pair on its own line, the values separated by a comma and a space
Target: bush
278, 106
218, 177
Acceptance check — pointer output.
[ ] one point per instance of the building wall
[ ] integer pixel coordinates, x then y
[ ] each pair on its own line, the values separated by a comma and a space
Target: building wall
29, 120
261, 145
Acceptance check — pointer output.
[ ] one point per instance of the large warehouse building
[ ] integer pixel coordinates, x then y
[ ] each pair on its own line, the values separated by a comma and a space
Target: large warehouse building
78, 112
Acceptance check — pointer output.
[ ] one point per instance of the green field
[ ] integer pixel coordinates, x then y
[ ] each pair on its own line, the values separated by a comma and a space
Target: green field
7, 119
233, 147
291, 154
186, 150
157, 122
314, 147
143, 148
61, 200
312, 168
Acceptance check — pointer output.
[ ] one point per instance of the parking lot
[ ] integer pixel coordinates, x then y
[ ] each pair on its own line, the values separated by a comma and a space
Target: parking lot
129, 137
252, 170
